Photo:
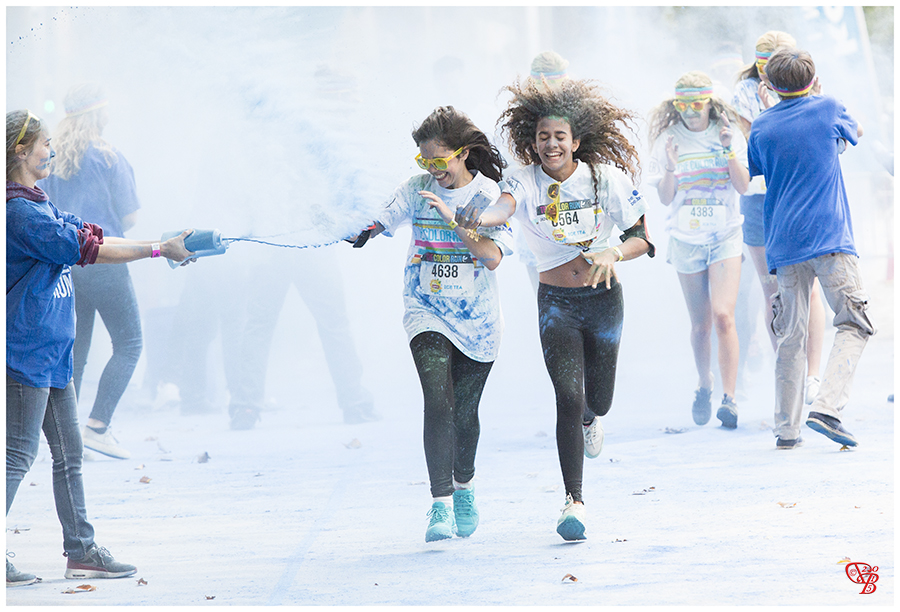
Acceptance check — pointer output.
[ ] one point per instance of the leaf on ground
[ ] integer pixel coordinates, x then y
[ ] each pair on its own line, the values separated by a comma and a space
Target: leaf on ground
787, 505
81, 588
354, 443
618, 540
210, 596
674, 430
145, 479
844, 560
611, 460
141, 582
33, 484
645, 491
570, 578
204, 458
845, 448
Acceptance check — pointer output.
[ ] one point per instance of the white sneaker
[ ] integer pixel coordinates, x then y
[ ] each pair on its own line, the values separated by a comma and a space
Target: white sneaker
105, 443
571, 524
593, 438
811, 390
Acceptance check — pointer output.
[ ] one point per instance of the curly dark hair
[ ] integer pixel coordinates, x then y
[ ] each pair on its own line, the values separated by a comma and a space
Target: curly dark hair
455, 130
665, 114
597, 123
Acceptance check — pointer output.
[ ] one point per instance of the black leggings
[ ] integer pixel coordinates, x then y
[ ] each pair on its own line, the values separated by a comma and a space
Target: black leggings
580, 330
452, 385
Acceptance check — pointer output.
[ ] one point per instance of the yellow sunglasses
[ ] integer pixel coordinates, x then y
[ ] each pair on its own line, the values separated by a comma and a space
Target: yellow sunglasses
438, 162
551, 211
696, 105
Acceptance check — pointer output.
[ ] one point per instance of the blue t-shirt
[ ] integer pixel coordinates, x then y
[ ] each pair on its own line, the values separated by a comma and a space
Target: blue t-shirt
41, 244
794, 145
98, 193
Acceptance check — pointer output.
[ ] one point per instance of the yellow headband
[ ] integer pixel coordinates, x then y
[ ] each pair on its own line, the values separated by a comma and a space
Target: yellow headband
24, 128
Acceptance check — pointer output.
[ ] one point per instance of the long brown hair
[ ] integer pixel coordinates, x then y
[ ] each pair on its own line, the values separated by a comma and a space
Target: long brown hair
455, 130
599, 124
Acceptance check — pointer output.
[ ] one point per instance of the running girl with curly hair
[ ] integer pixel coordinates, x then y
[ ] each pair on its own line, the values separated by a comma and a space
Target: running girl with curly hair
576, 186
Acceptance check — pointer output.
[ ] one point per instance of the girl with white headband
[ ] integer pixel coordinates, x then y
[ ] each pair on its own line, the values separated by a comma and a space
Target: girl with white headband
752, 95
94, 181
699, 166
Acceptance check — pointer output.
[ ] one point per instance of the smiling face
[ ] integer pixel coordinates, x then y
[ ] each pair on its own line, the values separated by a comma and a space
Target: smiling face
35, 162
555, 146
456, 175
695, 121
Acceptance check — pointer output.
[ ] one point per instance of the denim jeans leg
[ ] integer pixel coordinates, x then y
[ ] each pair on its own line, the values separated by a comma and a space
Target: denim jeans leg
66, 451
791, 306
25, 407
839, 276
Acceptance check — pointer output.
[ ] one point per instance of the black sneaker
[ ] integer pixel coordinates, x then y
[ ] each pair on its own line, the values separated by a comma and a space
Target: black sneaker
830, 427
15, 578
243, 416
98, 564
702, 408
728, 412
782, 444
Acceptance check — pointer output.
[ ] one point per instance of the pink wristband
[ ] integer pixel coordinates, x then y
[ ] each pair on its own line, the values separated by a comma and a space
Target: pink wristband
155, 250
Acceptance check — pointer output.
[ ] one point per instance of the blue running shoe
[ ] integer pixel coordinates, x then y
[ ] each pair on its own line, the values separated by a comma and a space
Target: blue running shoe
465, 512
571, 524
442, 524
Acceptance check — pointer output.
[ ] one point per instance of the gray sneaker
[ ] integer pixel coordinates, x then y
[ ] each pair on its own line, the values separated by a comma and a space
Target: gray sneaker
702, 408
15, 578
728, 412
98, 563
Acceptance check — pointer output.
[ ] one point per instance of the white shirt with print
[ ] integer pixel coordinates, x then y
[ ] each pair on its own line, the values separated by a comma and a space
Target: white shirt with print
582, 221
445, 288
706, 208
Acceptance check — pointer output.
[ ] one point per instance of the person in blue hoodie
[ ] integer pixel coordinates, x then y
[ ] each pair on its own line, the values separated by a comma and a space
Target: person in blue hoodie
42, 243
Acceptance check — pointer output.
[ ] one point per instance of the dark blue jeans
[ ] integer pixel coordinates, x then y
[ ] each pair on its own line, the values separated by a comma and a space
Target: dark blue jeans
580, 331
107, 290
28, 411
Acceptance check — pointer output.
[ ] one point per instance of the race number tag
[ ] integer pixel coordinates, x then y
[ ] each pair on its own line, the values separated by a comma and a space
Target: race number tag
447, 275
568, 222
701, 215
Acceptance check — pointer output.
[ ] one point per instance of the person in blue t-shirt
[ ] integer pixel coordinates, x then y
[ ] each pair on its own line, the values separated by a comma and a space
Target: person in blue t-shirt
41, 244
808, 233
94, 181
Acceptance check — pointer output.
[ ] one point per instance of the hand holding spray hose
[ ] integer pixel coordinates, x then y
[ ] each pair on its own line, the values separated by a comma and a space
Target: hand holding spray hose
204, 243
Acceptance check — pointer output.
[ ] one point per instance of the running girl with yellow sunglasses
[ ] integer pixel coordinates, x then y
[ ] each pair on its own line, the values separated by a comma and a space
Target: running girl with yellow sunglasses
451, 301
699, 166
